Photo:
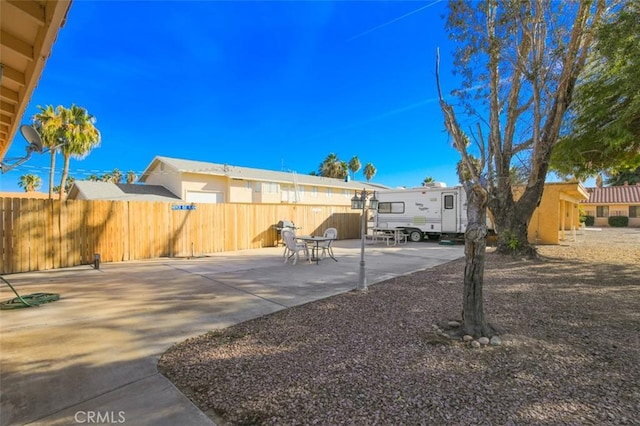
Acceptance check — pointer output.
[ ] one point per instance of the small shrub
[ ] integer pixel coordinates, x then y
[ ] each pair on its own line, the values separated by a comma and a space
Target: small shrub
589, 220
619, 221
510, 240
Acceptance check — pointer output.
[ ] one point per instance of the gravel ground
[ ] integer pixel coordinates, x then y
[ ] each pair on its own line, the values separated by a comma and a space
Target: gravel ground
570, 351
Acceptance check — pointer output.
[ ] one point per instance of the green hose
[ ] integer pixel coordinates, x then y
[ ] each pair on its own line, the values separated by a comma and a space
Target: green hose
35, 299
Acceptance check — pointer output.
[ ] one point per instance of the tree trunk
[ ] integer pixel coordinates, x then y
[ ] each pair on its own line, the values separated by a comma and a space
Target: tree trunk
475, 245
65, 172
52, 167
511, 218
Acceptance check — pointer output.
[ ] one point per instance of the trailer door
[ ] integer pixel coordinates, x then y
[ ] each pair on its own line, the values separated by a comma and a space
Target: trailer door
449, 217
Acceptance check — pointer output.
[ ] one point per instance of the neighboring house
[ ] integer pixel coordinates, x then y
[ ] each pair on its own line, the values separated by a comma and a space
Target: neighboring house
613, 201
90, 190
557, 215
204, 182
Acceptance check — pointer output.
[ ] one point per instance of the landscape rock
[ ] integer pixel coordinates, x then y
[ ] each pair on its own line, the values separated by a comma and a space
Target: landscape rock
483, 340
495, 341
453, 324
467, 338
297, 366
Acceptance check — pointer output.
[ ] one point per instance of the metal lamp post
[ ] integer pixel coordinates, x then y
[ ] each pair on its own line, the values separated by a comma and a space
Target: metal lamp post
359, 202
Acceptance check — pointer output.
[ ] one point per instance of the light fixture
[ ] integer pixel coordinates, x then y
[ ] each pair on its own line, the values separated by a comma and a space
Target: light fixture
359, 202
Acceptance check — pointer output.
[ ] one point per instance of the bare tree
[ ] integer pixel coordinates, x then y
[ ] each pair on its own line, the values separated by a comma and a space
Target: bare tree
520, 62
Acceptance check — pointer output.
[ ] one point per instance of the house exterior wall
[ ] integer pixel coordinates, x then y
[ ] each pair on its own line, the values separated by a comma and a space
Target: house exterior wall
591, 209
558, 213
243, 187
248, 191
326, 196
272, 192
240, 191
193, 182
170, 179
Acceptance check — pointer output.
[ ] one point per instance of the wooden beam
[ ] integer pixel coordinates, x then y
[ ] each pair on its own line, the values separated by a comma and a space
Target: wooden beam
6, 106
5, 119
32, 9
13, 74
21, 47
9, 95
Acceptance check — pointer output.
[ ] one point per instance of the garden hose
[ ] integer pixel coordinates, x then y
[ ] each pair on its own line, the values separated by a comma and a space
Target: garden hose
35, 299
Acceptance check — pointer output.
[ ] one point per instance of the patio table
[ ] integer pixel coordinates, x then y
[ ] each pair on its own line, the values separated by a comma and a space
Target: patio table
392, 236
315, 242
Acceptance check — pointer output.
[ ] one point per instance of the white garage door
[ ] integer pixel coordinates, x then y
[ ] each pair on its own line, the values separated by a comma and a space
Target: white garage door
204, 197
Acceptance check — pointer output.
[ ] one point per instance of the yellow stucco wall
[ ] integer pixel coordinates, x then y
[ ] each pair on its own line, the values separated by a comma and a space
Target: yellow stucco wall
558, 213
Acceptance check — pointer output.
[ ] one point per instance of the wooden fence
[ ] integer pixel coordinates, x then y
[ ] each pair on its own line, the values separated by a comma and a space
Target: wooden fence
40, 234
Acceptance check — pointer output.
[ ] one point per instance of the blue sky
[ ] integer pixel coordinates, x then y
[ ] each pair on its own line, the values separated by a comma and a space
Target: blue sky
273, 85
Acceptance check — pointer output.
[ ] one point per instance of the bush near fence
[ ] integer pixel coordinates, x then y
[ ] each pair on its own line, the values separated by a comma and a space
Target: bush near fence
38, 234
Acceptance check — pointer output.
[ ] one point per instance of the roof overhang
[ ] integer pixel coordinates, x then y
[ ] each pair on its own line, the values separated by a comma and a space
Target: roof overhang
575, 191
28, 30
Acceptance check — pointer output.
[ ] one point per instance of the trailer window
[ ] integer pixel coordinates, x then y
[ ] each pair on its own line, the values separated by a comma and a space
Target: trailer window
448, 202
397, 207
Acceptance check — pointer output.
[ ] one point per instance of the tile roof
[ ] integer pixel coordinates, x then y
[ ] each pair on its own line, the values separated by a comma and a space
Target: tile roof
626, 194
203, 167
120, 191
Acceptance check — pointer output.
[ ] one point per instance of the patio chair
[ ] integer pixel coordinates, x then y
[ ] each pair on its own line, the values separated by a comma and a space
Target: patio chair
294, 247
326, 245
287, 253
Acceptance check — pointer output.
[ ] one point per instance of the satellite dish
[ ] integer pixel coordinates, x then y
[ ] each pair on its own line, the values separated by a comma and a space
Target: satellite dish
32, 136
35, 145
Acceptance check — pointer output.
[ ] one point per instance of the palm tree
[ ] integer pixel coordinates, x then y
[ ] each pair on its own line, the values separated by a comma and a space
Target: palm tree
369, 171
48, 123
67, 187
116, 176
427, 181
30, 182
333, 167
343, 172
131, 176
354, 165
599, 181
80, 136
93, 177
329, 166
463, 171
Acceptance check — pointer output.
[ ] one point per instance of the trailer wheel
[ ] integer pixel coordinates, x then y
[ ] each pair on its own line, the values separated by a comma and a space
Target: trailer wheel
415, 236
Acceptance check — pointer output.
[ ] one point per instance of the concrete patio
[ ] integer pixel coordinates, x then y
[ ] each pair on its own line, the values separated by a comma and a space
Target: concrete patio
94, 352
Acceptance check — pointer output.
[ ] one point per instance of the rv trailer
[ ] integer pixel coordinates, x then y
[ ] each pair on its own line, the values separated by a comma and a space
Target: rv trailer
425, 212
